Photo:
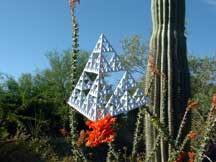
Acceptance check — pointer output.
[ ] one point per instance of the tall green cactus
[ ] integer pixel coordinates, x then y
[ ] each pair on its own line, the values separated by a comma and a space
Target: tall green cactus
171, 87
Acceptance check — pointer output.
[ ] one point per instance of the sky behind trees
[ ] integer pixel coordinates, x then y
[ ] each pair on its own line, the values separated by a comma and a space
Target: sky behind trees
30, 29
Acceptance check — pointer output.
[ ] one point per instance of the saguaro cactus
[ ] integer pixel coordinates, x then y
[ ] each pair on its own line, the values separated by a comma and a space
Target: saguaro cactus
171, 89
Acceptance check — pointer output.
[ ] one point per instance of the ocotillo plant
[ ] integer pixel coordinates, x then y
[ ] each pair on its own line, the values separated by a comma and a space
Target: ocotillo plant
210, 125
77, 153
171, 88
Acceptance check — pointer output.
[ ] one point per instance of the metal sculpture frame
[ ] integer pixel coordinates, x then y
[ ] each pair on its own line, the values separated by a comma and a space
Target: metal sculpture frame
96, 98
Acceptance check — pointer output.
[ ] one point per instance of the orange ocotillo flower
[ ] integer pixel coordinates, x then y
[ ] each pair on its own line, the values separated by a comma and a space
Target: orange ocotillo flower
100, 131
192, 105
73, 2
191, 156
214, 98
181, 157
192, 135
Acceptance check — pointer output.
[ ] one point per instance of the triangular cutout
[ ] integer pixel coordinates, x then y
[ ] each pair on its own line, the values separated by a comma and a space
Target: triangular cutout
100, 88
103, 45
77, 98
127, 82
114, 106
98, 65
84, 82
127, 101
138, 96
115, 63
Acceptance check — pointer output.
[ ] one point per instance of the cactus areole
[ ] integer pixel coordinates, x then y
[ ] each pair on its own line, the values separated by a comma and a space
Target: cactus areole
95, 98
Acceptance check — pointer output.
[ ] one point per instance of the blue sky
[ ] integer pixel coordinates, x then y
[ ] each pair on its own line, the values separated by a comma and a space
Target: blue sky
31, 28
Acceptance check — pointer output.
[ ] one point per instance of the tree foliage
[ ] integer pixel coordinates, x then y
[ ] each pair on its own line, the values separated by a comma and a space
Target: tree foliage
203, 79
36, 103
134, 54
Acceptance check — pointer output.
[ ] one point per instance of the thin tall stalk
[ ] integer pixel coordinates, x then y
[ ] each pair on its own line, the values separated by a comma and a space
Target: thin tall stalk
77, 153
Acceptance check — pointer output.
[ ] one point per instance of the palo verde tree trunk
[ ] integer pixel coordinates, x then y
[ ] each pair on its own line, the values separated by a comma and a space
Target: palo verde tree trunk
167, 72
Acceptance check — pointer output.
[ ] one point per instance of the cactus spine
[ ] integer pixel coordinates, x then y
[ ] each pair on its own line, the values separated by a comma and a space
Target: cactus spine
171, 89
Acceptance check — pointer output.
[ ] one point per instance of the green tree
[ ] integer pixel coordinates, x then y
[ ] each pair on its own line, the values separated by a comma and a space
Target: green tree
54, 87
203, 85
10, 109
134, 54
203, 77
38, 104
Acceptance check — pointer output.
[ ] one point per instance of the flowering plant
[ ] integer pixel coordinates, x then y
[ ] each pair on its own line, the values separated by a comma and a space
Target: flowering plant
73, 2
214, 98
190, 155
192, 135
100, 131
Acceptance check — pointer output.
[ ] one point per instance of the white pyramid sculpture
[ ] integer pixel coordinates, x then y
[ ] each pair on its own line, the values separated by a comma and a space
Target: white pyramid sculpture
96, 98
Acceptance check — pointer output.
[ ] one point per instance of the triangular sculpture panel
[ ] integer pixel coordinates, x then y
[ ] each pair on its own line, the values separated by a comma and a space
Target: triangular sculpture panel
94, 97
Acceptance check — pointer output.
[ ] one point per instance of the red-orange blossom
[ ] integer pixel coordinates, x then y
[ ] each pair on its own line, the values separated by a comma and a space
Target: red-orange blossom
100, 131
